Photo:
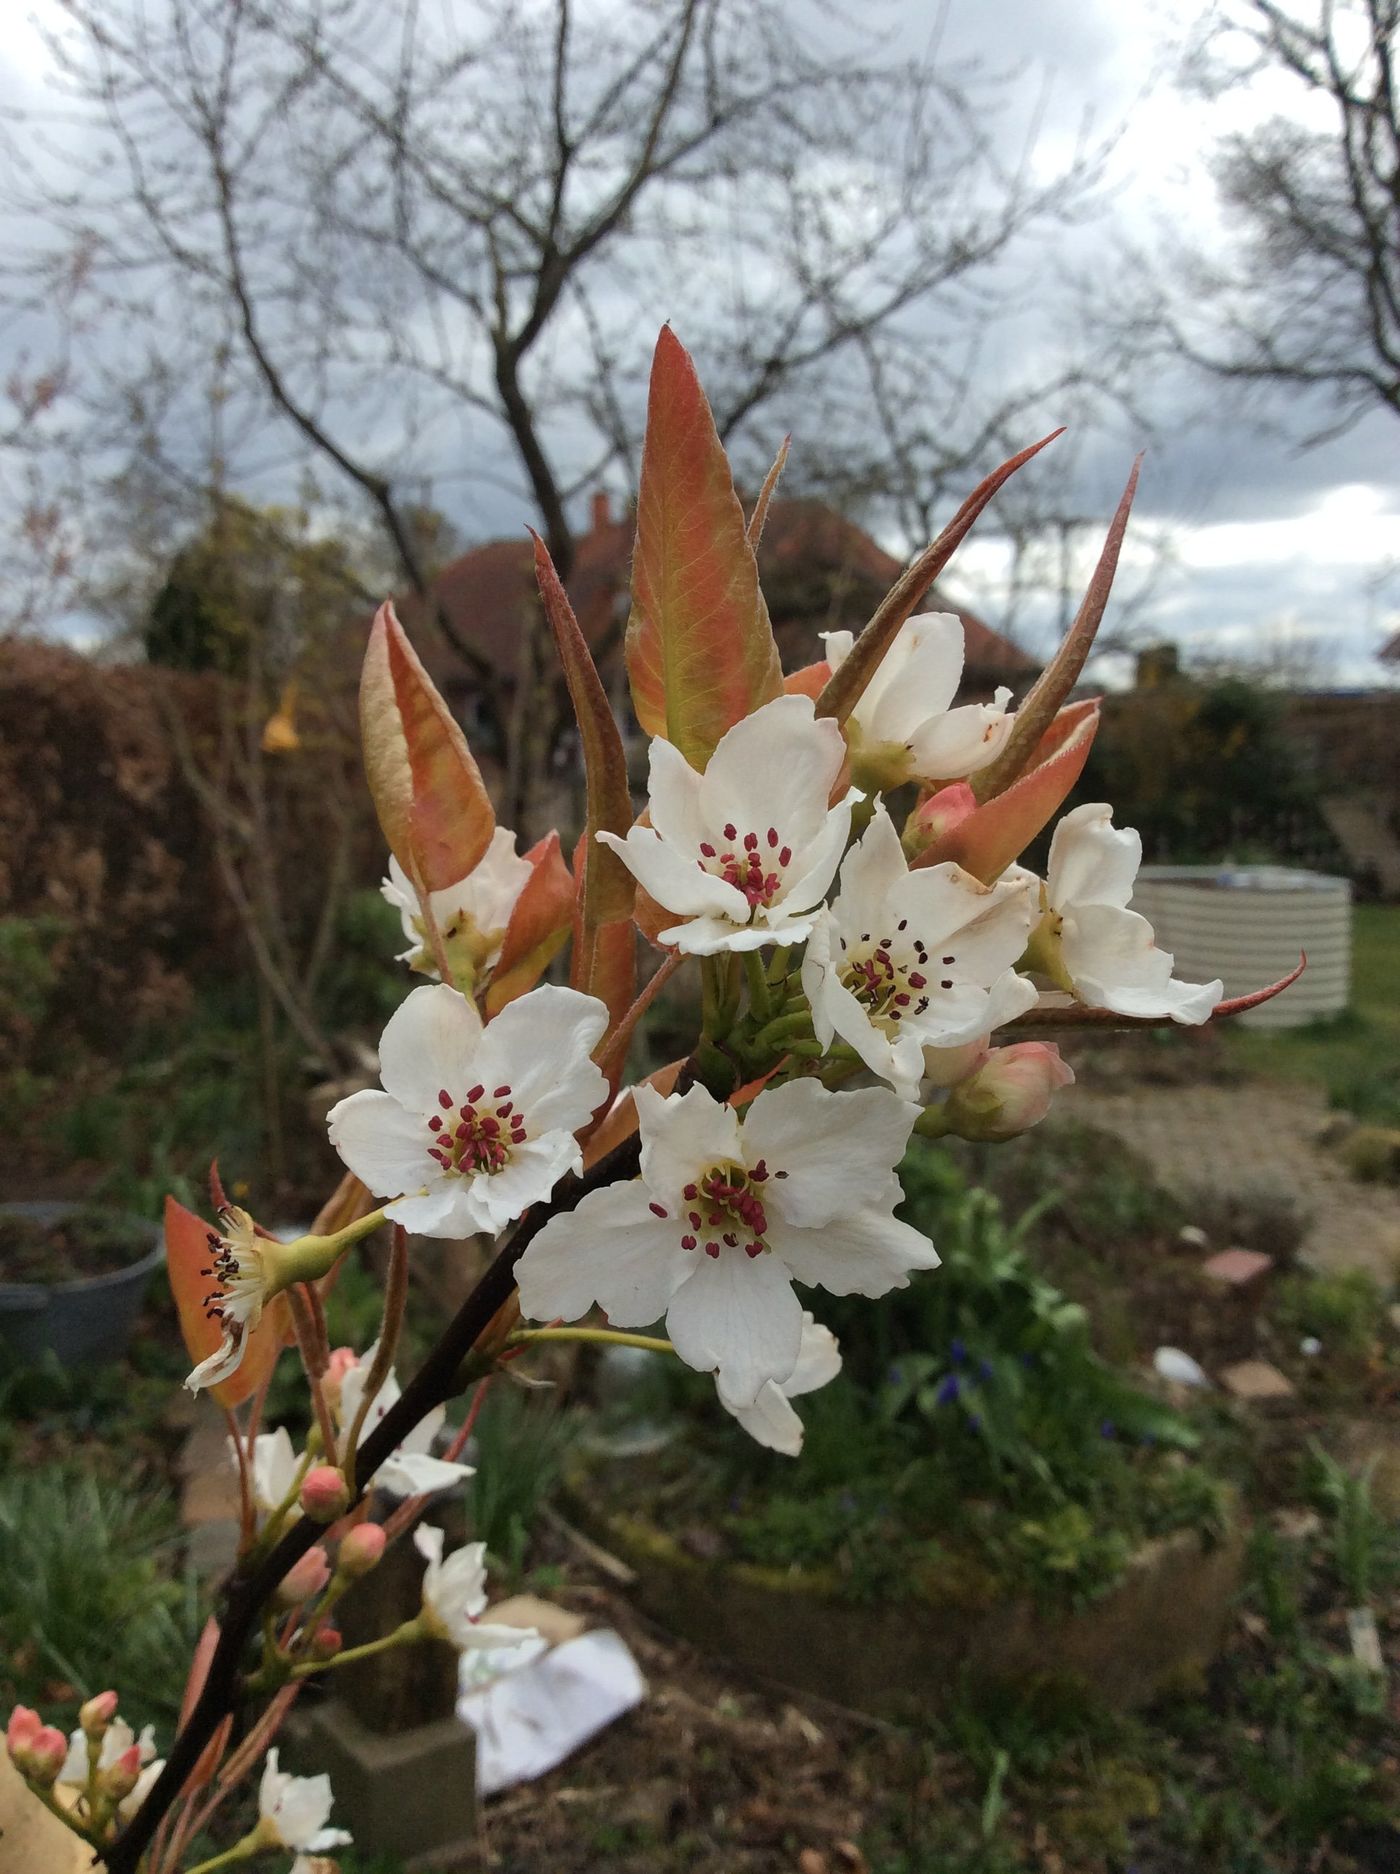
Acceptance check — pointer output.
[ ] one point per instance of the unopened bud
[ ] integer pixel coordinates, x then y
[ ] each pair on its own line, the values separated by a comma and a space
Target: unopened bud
326, 1643
95, 1716
339, 1364
324, 1495
24, 1725
305, 1578
44, 1755
361, 1550
932, 822
945, 1067
119, 1778
1009, 1093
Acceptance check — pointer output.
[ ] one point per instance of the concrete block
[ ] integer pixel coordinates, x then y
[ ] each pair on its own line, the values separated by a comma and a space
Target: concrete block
408, 1795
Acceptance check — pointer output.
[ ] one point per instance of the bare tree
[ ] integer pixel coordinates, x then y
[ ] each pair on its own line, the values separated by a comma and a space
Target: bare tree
415, 245
1307, 294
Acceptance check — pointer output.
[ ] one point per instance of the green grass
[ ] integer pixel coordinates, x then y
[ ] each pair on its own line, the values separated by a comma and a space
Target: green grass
1349, 1049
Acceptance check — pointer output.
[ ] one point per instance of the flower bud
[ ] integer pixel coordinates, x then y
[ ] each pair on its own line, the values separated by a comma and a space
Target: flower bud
945, 1067
326, 1643
119, 1778
337, 1367
95, 1716
20, 1732
937, 817
44, 1756
305, 1578
1008, 1093
360, 1551
324, 1495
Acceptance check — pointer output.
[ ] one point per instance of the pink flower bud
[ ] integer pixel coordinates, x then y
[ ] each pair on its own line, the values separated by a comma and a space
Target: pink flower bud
323, 1494
20, 1732
1009, 1092
360, 1551
337, 1367
119, 1778
95, 1716
304, 1578
327, 1643
940, 813
44, 1755
945, 1067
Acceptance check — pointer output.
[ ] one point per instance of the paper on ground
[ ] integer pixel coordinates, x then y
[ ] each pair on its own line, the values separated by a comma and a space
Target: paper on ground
545, 1703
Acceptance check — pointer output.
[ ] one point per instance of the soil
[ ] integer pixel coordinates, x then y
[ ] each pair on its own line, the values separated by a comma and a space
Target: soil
85, 1243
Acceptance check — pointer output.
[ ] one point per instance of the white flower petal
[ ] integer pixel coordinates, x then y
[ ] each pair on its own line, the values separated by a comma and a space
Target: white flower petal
445, 1209
427, 1043
737, 1314
1091, 860
916, 679
959, 742
383, 1144
681, 1136
673, 879
838, 1149
818, 1363
673, 797
610, 1250
868, 1253
532, 1173
775, 768
415, 1473
540, 1044
769, 1420
1113, 961
820, 859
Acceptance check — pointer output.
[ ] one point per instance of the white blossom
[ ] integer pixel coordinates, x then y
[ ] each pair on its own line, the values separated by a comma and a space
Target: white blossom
293, 1811
726, 1215
904, 724
117, 1739
475, 1123
771, 1419
745, 851
905, 960
1109, 954
471, 915
410, 1470
238, 1268
454, 1594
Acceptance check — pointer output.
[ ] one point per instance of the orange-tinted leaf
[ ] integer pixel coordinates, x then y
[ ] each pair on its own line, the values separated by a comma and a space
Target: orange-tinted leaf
187, 1261
428, 791
997, 832
847, 685
811, 680
700, 650
538, 927
1061, 674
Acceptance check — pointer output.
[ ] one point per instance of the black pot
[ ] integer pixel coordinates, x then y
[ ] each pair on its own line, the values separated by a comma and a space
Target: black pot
83, 1322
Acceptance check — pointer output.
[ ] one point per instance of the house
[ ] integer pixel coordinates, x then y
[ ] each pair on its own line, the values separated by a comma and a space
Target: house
819, 572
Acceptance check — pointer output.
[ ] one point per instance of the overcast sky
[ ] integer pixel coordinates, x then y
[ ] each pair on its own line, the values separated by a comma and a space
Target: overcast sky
1267, 543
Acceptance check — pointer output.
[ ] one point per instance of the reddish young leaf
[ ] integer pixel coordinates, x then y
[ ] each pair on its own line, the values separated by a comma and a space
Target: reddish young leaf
700, 650
538, 928
996, 832
847, 686
187, 1262
1061, 674
428, 791
811, 680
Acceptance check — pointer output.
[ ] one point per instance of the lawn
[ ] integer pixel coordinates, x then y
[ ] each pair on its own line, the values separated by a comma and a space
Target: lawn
1353, 1050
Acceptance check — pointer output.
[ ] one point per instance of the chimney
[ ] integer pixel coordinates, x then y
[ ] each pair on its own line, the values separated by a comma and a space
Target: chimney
601, 511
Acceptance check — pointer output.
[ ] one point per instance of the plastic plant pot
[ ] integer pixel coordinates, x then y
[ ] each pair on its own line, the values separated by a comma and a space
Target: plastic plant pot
82, 1322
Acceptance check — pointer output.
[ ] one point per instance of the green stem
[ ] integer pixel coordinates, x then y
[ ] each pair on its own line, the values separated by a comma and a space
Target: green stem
404, 1635
310, 1257
774, 1036
931, 1123
243, 1850
760, 1002
597, 1336
777, 968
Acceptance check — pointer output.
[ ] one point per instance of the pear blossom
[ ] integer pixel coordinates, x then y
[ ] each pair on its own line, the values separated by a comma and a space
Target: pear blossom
240, 1267
1006, 1091
454, 1594
771, 1419
475, 1123
471, 915
293, 1811
744, 851
274, 1470
117, 1740
410, 1470
131, 1802
1095, 946
905, 960
904, 726
726, 1215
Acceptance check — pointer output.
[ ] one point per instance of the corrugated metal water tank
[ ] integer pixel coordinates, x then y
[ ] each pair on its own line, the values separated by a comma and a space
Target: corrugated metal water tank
1247, 924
